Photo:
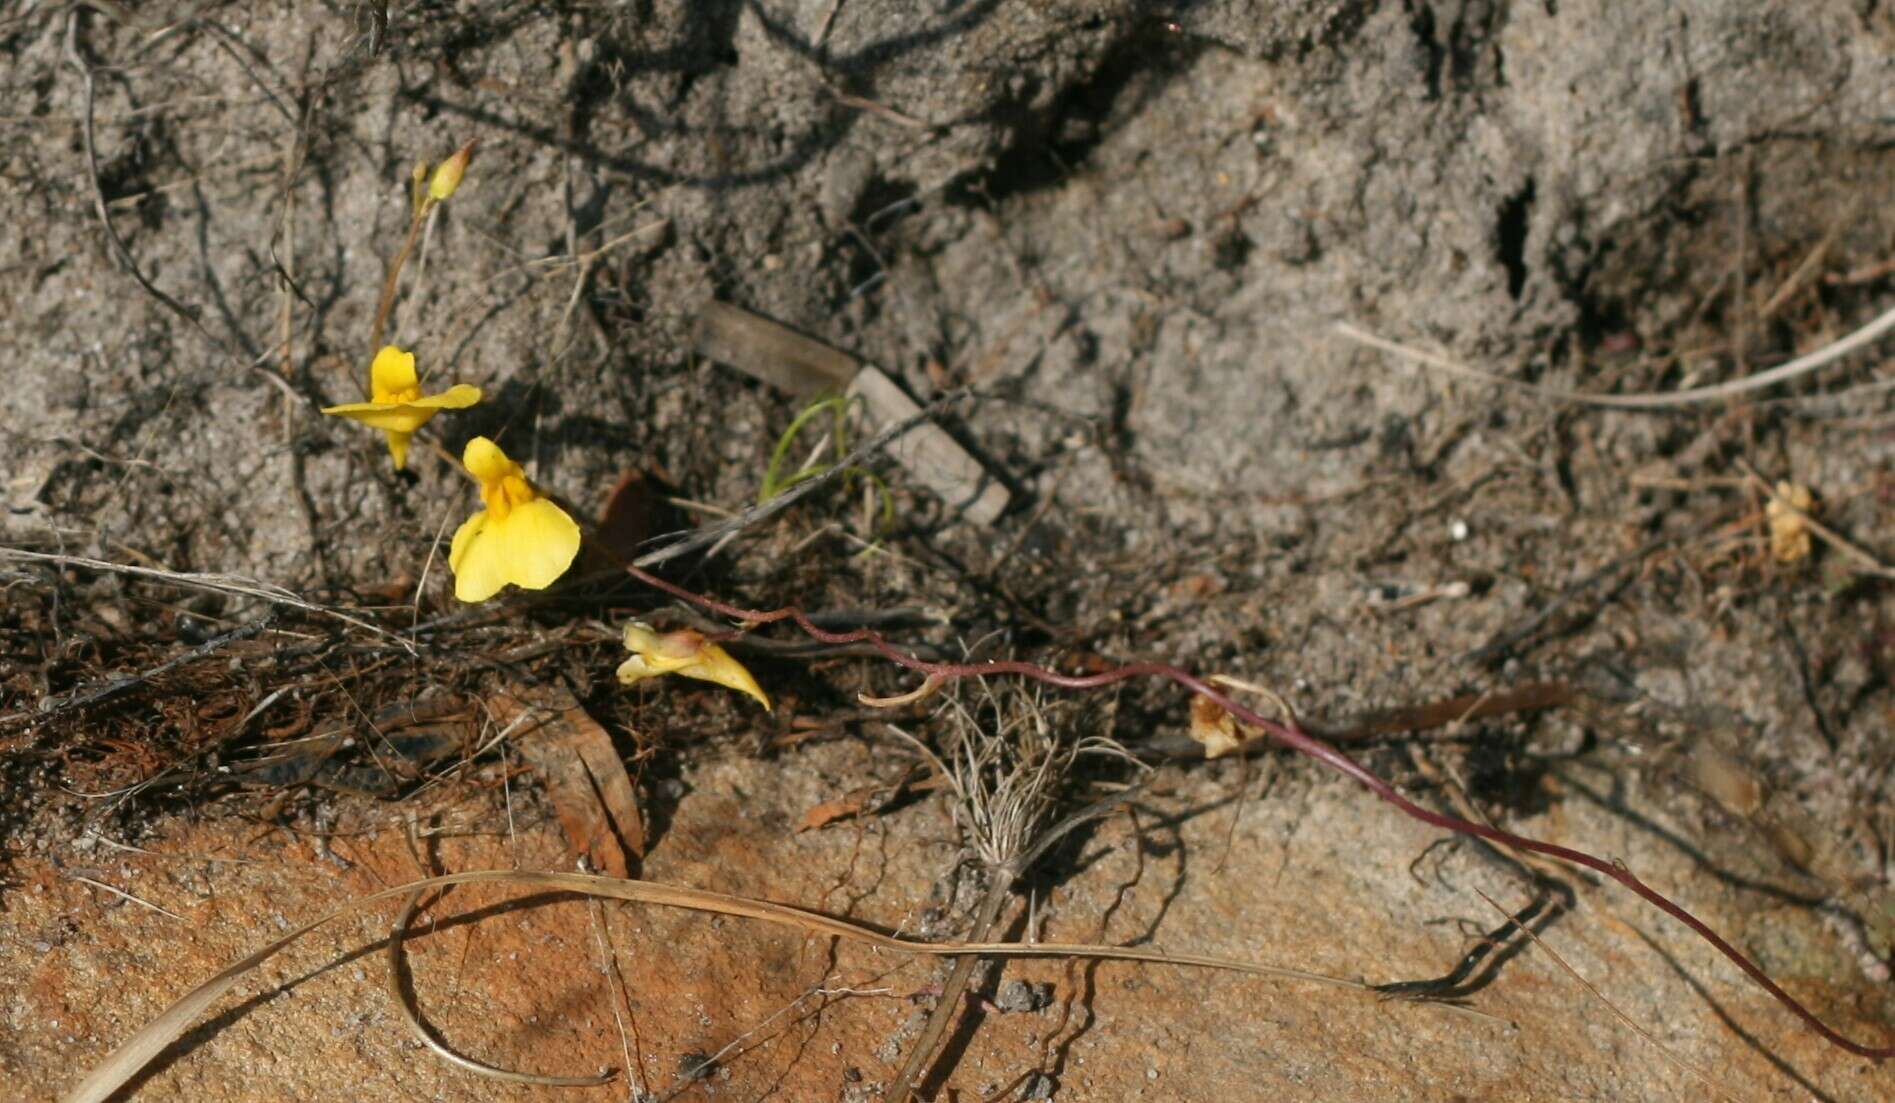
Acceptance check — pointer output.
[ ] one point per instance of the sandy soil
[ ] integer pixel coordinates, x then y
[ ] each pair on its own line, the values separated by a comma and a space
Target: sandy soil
1133, 234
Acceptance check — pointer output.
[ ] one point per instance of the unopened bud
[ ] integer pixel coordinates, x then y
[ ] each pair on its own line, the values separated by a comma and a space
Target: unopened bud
447, 177
417, 186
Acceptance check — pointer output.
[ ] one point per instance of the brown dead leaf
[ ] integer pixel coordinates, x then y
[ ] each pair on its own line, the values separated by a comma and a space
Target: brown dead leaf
585, 778
634, 512
397, 590
1726, 779
866, 801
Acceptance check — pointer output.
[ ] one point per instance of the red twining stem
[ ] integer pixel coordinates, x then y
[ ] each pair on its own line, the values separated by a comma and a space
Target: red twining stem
1295, 739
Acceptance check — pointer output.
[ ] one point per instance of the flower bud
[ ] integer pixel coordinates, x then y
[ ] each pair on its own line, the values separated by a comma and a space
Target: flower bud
418, 187
448, 175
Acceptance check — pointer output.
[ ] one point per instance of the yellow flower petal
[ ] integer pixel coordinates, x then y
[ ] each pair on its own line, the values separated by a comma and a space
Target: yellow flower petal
530, 548
636, 669
398, 447
520, 538
476, 578
359, 411
540, 542
714, 664
485, 461
458, 397
392, 373
665, 652
398, 417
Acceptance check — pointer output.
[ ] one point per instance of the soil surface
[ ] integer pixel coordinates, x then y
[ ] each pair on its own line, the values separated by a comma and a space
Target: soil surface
1120, 241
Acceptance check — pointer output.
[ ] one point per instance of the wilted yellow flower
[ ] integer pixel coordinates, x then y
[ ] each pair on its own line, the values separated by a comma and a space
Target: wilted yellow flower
1789, 532
397, 406
520, 537
683, 652
1216, 730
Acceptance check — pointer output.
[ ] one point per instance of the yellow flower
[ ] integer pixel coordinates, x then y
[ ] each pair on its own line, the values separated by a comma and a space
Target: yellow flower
520, 537
397, 406
683, 652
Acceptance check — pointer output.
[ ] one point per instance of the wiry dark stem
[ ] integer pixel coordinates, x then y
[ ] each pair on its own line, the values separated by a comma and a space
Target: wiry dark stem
1297, 740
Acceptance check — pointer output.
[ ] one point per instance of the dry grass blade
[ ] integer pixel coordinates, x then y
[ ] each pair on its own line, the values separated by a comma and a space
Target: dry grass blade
215, 583
427, 1037
123, 895
148, 1041
1708, 1080
1802, 365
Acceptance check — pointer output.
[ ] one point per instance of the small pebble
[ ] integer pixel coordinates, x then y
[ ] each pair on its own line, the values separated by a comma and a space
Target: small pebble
1018, 995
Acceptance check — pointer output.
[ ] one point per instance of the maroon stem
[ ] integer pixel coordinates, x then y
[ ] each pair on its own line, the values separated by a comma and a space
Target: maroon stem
1297, 740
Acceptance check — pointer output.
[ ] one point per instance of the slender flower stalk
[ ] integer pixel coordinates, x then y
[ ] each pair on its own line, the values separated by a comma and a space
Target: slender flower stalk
426, 192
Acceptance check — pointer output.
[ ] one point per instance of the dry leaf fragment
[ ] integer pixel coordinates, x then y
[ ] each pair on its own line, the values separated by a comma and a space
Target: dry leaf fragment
827, 812
585, 778
868, 800
1725, 778
1789, 531
1215, 729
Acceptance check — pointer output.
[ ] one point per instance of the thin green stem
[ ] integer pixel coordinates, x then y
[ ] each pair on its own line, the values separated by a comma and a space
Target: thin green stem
387, 302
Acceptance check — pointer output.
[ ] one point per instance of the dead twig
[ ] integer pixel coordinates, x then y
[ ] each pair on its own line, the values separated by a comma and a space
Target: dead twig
1800, 276
1868, 273
1503, 644
76, 59
120, 252
688, 542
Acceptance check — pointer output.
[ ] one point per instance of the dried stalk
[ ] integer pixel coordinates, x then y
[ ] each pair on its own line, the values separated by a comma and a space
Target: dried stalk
133, 1054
